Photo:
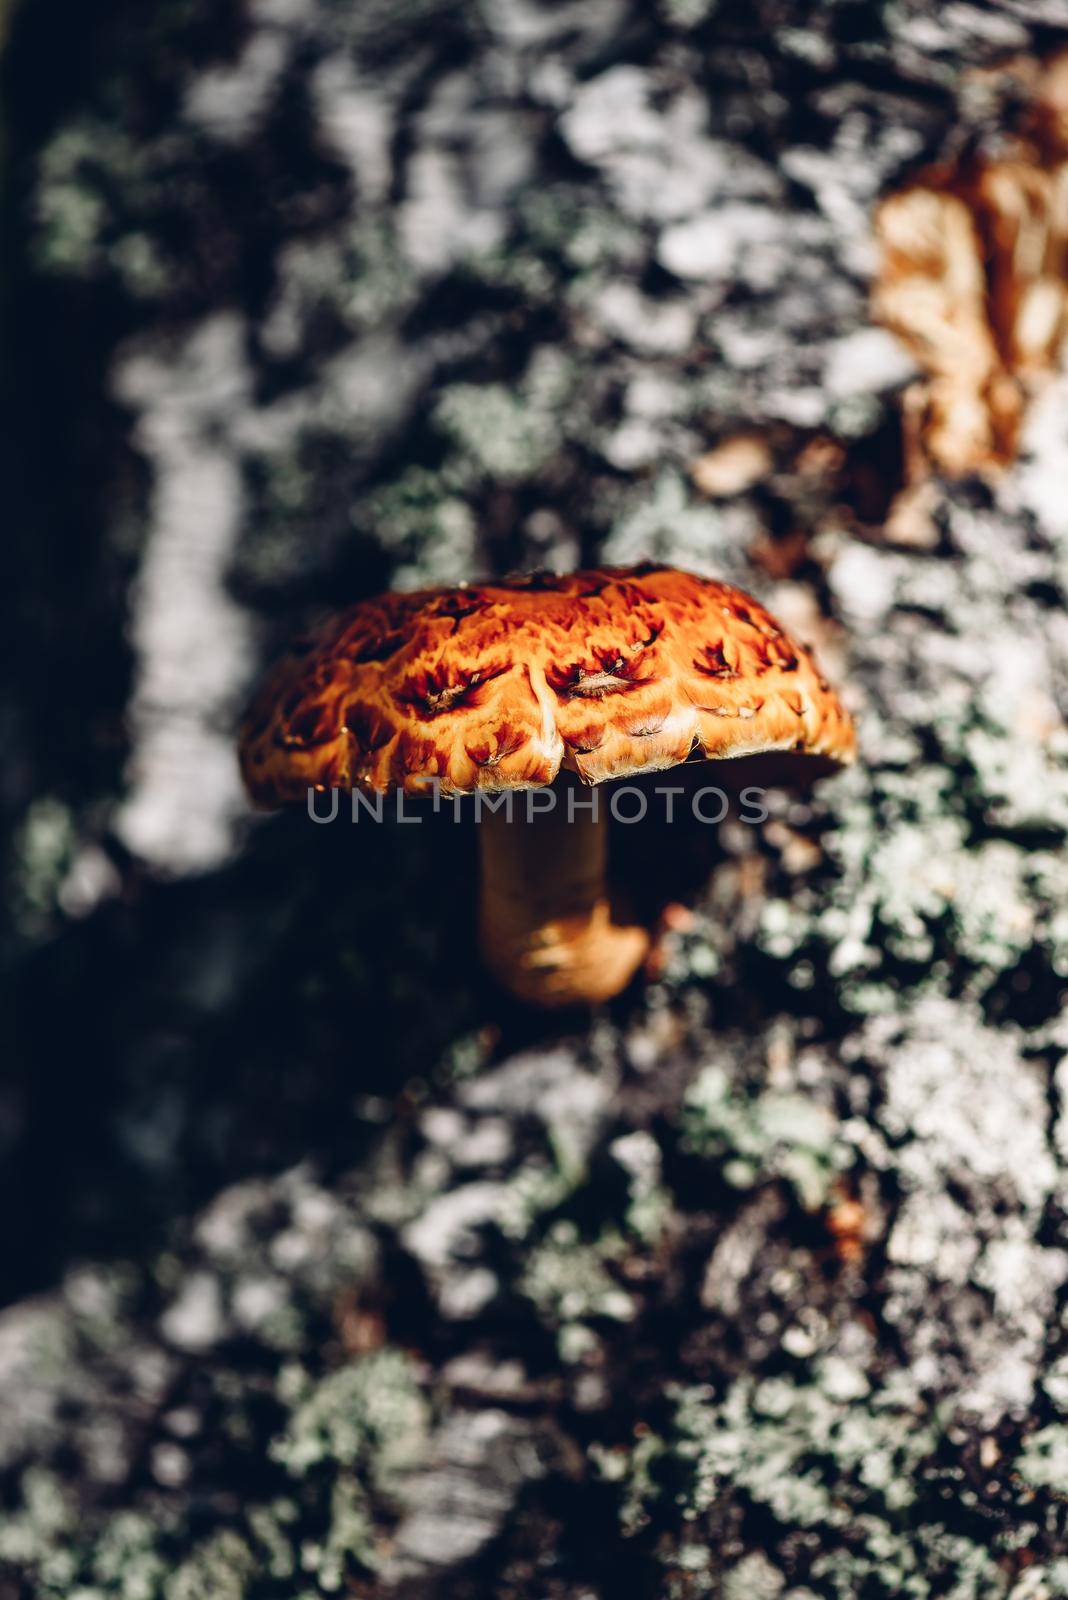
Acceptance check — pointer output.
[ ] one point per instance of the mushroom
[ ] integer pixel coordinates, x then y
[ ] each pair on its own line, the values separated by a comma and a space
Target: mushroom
525, 683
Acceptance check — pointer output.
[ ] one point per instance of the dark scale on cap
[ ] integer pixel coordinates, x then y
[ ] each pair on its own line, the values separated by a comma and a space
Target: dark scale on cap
379, 649
713, 662
368, 726
435, 693
771, 651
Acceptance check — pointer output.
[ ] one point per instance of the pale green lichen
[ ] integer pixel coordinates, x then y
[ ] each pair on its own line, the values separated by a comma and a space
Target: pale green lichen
509, 434
588, 1209
667, 521
569, 1282
1043, 1461
429, 532
350, 1439
923, 894
754, 1137
220, 1567
81, 231
350, 1538
39, 1534
649, 1202
797, 1451
44, 847
371, 1415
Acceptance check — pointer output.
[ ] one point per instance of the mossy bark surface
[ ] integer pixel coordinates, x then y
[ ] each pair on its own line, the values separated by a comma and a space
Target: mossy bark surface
325, 1268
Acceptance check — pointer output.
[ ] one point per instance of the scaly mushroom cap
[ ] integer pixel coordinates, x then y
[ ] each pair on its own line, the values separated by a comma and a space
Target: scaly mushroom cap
498, 685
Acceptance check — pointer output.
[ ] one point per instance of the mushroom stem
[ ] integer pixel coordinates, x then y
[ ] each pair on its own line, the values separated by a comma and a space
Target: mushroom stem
546, 922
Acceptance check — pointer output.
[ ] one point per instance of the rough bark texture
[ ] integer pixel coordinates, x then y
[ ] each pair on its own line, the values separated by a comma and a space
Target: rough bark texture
757, 1287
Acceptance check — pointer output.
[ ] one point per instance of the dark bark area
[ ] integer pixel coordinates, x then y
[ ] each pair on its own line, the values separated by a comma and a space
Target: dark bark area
326, 1269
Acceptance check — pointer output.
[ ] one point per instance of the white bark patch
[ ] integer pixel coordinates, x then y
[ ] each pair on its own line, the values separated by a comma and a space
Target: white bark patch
193, 642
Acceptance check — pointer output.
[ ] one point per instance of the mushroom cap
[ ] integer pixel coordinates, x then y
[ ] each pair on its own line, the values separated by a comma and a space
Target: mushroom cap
498, 685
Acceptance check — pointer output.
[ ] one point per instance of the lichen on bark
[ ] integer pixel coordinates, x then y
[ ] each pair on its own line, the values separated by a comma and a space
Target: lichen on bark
342, 1276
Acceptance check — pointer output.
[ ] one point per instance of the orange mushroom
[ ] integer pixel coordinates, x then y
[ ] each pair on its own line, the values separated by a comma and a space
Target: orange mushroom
513, 685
